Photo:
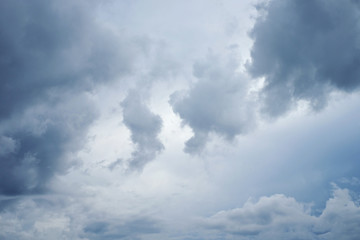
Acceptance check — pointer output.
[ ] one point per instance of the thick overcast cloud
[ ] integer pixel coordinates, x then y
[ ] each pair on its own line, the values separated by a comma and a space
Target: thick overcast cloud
97, 99
305, 49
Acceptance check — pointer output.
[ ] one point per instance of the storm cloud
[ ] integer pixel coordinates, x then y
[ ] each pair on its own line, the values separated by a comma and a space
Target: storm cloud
305, 50
52, 54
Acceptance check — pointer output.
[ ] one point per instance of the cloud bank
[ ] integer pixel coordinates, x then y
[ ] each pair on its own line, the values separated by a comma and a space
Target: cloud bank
274, 217
282, 217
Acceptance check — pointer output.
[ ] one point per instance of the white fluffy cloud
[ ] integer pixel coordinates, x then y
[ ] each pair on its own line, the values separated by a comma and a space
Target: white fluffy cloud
282, 217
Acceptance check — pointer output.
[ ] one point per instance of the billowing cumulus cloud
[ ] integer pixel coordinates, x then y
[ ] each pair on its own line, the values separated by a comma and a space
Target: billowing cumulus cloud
219, 102
145, 127
305, 49
281, 217
52, 53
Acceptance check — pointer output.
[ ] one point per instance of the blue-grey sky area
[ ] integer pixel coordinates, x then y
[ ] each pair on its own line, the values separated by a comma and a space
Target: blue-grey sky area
182, 120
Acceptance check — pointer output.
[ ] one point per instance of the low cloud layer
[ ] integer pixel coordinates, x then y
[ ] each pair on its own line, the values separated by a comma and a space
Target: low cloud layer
61, 218
274, 217
305, 50
144, 127
282, 217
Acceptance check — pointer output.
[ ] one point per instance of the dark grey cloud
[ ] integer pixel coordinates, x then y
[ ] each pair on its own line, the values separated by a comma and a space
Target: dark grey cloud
281, 217
47, 45
52, 54
305, 50
217, 103
144, 127
43, 138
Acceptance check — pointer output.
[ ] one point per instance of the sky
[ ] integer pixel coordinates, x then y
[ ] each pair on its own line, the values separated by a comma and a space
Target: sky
180, 120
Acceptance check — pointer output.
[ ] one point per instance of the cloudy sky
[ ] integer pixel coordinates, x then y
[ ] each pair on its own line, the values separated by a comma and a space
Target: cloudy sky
180, 120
